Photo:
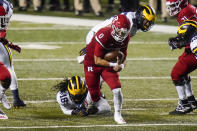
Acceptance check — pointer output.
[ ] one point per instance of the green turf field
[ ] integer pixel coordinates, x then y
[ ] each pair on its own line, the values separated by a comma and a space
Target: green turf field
147, 89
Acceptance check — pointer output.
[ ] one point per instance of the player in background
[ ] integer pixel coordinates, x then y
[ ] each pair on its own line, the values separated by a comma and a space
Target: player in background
141, 20
110, 38
74, 98
182, 9
187, 62
182, 81
6, 11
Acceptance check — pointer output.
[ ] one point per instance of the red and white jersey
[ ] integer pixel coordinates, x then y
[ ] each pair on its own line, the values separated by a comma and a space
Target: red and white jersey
102, 43
187, 13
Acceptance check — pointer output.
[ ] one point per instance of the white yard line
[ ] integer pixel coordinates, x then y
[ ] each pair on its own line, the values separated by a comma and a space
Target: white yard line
122, 78
81, 42
48, 28
75, 59
114, 125
156, 99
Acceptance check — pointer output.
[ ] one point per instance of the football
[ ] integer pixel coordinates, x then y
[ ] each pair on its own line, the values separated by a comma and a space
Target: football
112, 56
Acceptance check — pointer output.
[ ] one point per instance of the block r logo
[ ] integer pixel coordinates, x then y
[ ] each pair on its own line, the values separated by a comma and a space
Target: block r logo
90, 69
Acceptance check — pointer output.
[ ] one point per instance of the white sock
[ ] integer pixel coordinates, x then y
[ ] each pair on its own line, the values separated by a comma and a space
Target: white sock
181, 92
117, 99
188, 89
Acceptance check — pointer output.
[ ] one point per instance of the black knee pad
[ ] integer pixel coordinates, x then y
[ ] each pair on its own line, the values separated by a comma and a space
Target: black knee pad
187, 79
178, 83
6, 83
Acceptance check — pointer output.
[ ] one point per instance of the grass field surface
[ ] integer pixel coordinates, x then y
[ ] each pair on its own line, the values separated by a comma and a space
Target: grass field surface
49, 54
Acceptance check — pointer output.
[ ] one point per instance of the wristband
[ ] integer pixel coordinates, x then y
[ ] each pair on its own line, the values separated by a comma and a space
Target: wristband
112, 64
122, 66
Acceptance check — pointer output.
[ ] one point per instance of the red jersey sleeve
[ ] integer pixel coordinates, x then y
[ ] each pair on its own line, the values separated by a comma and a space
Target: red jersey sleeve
101, 39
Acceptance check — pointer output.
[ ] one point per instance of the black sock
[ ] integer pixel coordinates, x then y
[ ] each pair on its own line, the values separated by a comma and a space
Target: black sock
16, 95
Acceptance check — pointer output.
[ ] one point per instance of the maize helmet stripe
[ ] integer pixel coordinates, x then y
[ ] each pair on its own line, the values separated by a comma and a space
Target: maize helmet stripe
149, 13
77, 82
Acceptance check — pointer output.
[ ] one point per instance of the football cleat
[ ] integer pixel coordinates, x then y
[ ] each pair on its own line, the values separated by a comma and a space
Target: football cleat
5, 101
193, 102
3, 115
183, 107
18, 104
118, 118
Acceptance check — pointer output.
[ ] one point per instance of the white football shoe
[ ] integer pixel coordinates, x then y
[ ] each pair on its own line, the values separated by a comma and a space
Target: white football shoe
3, 115
5, 101
118, 118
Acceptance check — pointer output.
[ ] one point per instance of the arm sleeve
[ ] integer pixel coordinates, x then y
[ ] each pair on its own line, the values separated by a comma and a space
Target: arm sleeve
65, 110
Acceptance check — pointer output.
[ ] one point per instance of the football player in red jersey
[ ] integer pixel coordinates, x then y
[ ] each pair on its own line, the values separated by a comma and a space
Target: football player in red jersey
185, 64
114, 37
6, 66
182, 9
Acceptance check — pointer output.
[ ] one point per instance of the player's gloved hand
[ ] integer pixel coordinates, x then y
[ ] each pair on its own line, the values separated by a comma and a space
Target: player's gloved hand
92, 110
80, 112
176, 42
172, 43
82, 51
14, 47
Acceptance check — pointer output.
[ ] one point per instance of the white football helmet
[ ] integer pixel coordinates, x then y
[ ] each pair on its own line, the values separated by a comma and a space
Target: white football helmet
120, 27
6, 11
175, 6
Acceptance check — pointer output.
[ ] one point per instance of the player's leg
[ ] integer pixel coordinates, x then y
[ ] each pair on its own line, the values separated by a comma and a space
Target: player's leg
92, 78
5, 79
181, 69
14, 88
99, 107
112, 79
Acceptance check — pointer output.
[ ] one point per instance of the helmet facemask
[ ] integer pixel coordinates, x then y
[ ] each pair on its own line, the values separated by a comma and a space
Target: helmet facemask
4, 22
173, 8
119, 34
79, 98
146, 25
120, 28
